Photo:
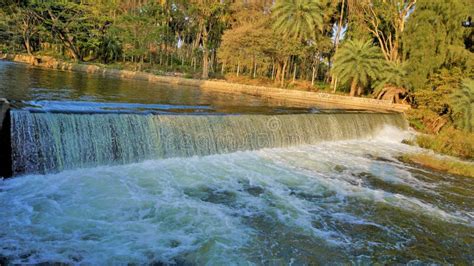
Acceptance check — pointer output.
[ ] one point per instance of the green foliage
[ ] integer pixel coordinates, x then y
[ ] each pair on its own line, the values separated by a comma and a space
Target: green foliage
393, 74
434, 101
297, 19
245, 46
109, 49
450, 141
434, 39
357, 62
463, 105
129, 29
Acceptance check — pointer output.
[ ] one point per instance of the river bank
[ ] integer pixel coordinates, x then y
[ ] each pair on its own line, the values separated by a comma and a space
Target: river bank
292, 96
441, 164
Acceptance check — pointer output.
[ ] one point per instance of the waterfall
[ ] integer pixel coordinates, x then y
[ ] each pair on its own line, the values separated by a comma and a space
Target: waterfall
49, 142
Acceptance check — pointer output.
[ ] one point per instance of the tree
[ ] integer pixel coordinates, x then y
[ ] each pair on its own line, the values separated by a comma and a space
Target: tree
385, 20
297, 19
357, 62
392, 82
434, 39
463, 105
136, 40
73, 24
29, 27
208, 14
17, 24
245, 46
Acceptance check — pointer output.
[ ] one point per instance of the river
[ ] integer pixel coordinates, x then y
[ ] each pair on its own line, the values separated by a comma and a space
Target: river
124, 172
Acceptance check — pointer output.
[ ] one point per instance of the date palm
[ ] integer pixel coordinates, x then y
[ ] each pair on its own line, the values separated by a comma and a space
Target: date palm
297, 19
357, 62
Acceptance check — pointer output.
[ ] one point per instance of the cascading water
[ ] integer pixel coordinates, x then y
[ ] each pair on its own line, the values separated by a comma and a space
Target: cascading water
48, 142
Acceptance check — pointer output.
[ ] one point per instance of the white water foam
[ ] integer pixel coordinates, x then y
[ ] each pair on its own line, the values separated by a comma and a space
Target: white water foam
218, 209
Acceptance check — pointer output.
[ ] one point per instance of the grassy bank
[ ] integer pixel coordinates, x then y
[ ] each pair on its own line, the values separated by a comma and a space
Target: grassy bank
449, 142
451, 166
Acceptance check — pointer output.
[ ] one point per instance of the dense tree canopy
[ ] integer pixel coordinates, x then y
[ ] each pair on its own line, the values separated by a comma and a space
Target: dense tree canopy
413, 45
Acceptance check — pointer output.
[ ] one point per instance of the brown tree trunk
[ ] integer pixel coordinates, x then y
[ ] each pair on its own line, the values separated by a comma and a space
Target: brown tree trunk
336, 44
205, 54
278, 72
294, 72
28, 44
254, 70
353, 88
273, 70
205, 64
283, 72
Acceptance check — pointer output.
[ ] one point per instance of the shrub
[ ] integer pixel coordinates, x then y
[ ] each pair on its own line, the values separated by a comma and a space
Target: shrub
450, 141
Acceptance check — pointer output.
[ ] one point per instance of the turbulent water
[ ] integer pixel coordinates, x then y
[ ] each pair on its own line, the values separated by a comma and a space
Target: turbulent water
47, 142
334, 202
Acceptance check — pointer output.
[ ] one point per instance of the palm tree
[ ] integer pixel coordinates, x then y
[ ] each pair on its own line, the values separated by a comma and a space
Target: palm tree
392, 83
297, 19
357, 62
463, 103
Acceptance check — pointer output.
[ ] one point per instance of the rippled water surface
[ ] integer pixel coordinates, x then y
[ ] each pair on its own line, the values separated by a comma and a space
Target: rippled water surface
340, 202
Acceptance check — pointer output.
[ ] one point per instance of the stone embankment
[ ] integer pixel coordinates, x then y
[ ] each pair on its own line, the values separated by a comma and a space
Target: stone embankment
5, 148
289, 96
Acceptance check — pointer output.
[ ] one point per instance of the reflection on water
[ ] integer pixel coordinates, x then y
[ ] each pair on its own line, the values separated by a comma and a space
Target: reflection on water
26, 85
336, 202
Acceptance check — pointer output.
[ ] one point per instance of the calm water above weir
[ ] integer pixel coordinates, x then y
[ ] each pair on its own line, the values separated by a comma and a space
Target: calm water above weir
43, 89
302, 188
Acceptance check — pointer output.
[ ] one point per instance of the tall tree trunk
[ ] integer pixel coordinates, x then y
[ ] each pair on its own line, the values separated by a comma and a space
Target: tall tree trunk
334, 82
294, 72
254, 70
316, 65
205, 54
336, 43
28, 29
26, 38
278, 72
353, 88
205, 64
283, 72
273, 70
